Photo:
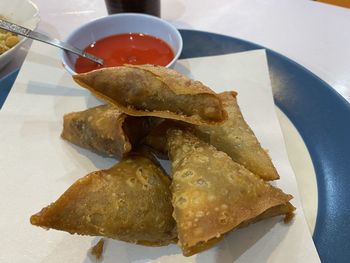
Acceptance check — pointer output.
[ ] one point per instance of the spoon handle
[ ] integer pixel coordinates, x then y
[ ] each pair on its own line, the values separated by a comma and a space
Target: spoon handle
14, 28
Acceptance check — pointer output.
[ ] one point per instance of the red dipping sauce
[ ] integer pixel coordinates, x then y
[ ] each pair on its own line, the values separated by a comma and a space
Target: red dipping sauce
132, 48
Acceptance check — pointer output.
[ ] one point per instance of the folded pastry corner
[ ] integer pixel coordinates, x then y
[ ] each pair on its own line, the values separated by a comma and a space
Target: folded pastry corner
150, 90
130, 202
104, 129
235, 138
212, 194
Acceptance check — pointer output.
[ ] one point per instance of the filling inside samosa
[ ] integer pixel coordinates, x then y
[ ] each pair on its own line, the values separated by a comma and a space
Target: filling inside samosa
104, 129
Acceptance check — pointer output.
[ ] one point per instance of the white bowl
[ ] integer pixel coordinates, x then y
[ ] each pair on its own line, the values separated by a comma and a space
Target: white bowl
119, 24
21, 12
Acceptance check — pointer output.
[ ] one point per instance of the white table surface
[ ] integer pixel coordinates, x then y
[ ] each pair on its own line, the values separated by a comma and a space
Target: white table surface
316, 35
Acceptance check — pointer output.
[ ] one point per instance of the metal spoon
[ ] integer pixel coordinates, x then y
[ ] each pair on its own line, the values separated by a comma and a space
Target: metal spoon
46, 39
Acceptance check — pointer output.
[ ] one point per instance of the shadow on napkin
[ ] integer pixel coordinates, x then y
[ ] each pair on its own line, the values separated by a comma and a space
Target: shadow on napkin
42, 88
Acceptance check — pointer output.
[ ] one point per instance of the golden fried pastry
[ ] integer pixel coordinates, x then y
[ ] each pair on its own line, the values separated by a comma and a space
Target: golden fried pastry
235, 138
104, 129
97, 250
156, 139
284, 209
148, 90
212, 194
130, 202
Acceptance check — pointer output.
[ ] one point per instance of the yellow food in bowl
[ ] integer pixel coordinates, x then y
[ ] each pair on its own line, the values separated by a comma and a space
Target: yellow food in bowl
7, 39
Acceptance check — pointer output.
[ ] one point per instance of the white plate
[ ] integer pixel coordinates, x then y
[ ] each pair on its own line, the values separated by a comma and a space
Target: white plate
38, 166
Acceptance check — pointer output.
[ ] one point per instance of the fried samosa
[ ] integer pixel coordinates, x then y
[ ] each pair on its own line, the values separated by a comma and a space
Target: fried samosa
149, 90
130, 202
104, 129
235, 138
212, 194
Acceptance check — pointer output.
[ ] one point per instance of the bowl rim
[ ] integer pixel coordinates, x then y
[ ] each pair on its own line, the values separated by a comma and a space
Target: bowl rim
37, 18
128, 14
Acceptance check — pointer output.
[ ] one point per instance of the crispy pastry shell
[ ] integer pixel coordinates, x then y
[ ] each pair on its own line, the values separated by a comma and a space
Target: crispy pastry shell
284, 209
212, 194
156, 139
130, 202
148, 90
104, 129
235, 138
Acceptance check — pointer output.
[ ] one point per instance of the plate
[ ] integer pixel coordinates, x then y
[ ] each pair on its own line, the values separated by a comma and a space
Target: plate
320, 115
